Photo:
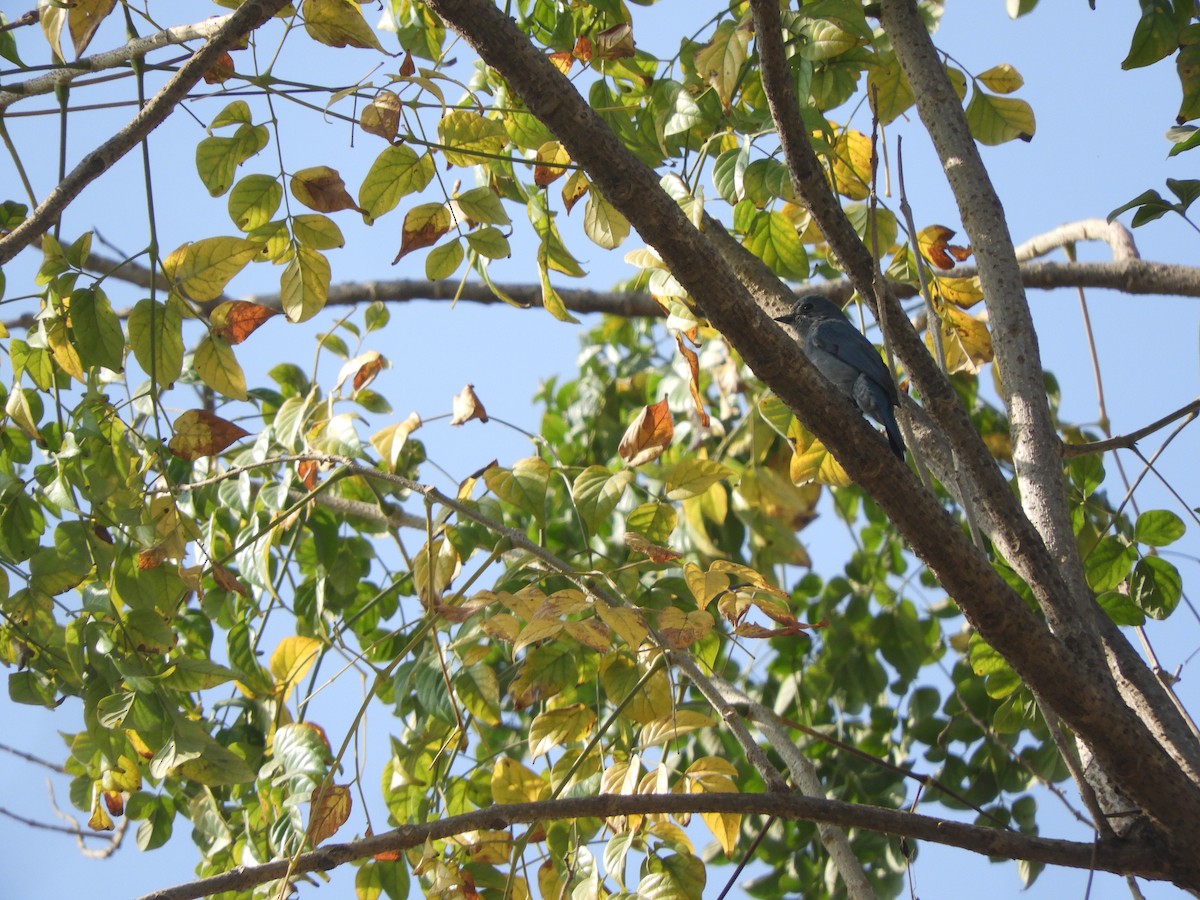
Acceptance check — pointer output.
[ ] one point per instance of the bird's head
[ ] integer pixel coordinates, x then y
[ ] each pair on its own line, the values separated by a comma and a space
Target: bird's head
813, 307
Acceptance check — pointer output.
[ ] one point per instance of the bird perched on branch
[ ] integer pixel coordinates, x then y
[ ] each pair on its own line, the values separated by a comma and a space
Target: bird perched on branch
845, 357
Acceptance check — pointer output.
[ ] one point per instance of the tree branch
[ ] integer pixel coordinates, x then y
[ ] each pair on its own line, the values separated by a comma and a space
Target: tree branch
249, 16
1129, 441
1119, 857
48, 81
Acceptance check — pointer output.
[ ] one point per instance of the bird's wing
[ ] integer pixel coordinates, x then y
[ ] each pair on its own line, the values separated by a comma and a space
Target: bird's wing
842, 340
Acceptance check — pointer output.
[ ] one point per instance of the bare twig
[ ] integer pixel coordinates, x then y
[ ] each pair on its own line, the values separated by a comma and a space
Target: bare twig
1129, 441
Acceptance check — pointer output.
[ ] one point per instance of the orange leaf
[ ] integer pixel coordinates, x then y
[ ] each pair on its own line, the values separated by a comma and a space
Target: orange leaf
693, 362
408, 67
361, 370
648, 435
151, 557
467, 406
220, 71
563, 61
582, 50
115, 802
227, 581
200, 433
307, 470
552, 160
321, 188
330, 810
934, 244
236, 320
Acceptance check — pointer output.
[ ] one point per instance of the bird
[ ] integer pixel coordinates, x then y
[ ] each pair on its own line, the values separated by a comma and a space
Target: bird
849, 360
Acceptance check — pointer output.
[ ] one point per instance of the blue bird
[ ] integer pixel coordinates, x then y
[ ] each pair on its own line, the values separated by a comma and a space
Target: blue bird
845, 357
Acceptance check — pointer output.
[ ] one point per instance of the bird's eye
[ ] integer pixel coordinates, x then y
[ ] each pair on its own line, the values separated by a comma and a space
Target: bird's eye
807, 307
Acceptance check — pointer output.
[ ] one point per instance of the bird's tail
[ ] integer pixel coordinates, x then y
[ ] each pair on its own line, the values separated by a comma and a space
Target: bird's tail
895, 439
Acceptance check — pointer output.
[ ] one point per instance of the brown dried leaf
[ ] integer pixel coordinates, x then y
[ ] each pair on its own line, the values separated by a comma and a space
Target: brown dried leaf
322, 188
648, 435
552, 160
638, 544
467, 406
693, 362
615, 42
330, 810
934, 244
236, 320
382, 115
220, 71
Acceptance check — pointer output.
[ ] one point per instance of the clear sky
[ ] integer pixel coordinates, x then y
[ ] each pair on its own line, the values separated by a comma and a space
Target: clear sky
1099, 143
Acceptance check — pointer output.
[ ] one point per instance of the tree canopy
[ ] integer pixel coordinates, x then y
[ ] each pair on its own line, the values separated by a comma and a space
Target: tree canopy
607, 667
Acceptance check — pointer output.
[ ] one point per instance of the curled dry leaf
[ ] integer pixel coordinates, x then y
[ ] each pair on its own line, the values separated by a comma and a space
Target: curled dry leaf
615, 42
236, 320
693, 362
200, 433
361, 370
639, 544
934, 244
467, 406
648, 435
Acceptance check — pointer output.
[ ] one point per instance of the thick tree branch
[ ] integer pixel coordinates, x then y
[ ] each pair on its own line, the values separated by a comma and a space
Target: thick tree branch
1122, 858
1035, 441
249, 16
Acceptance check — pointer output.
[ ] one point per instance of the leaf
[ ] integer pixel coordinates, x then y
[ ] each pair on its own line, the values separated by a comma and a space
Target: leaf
329, 811
201, 269
850, 173
888, 88
715, 775
236, 320
1108, 564
719, 63
812, 462
1155, 37
217, 367
652, 521
397, 172
603, 223
628, 623
1155, 586
693, 477
648, 435
773, 238
253, 200
217, 158
551, 300
317, 231
304, 285
682, 629
1003, 79
639, 544
424, 225
559, 727
338, 23
83, 18
443, 261
489, 242
381, 116
199, 432
291, 661
966, 340
524, 486
467, 406
389, 441
96, 329
596, 492
552, 162
1158, 528
469, 139
514, 783
321, 188
996, 120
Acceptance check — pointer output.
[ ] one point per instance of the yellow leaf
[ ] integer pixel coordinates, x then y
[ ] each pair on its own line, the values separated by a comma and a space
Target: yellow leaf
513, 783
552, 162
218, 367
338, 23
424, 225
966, 340
678, 723
469, 138
83, 18
851, 171
811, 462
629, 623
304, 285
720, 62
559, 727
291, 661
705, 586
202, 268
1003, 79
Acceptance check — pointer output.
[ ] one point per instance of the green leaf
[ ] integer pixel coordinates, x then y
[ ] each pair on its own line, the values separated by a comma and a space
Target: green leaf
524, 486
254, 200
96, 329
217, 158
1155, 37
482, 205
1155, 586
603, 222
1187, 190
317, 231
443, 260
552, 251
304, 285
996, 120
654, 521
469, 139
1158, 528
397, 172
675, 876
202, 268
729, 171
217, 367
596, 492
489, 242
1121, 608
1149, 205
773, 238
693, 477
1108, 564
